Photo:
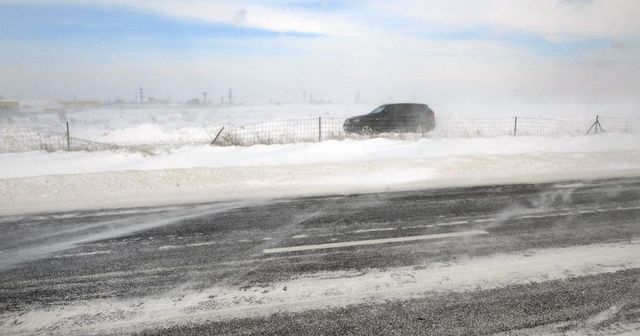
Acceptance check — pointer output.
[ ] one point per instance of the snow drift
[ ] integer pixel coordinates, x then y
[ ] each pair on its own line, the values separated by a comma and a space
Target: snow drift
40, 181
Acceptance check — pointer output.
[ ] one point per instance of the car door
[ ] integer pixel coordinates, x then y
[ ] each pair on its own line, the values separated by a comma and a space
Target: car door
377, 120
402, 118
389, 120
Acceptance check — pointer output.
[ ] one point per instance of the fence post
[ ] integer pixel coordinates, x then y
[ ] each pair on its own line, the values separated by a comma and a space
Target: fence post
319, 129
216, 138
68, 135
596, 125
515, 126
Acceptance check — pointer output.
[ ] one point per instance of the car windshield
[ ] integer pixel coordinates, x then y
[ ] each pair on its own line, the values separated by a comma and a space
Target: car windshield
378, 109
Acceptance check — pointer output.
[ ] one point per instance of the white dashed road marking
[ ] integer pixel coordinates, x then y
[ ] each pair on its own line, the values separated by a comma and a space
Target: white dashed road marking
373, 241
374, 230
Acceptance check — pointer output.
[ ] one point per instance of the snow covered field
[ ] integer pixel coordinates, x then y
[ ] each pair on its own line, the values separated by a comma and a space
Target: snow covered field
39, 181
151, 124
347, 151
35, 181
131, 125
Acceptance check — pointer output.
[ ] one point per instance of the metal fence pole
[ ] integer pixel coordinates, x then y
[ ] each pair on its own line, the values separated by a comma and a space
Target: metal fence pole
319, 129
596, 125
216, 138
515, 126
68, 138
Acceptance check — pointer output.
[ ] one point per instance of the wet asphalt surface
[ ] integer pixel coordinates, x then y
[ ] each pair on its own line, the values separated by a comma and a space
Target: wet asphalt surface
49, 260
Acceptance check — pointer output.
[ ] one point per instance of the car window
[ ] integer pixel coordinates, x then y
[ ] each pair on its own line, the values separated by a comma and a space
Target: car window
378, 109
416, 110
401, 111
390, 111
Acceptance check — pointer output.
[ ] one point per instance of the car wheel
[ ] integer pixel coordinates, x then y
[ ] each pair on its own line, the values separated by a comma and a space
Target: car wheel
423, 129
366, 130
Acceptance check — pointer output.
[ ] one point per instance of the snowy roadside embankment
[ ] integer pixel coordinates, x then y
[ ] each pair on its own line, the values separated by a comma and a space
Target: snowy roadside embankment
43, 163
39, 181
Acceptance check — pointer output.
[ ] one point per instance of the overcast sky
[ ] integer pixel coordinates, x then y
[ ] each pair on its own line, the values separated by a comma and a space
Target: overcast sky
546, 51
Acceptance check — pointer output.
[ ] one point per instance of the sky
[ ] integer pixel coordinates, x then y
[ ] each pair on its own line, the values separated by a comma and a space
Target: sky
479, 52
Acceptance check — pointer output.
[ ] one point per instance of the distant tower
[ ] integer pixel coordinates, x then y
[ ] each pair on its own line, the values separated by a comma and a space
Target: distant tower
204, 95
230, 99
141, 95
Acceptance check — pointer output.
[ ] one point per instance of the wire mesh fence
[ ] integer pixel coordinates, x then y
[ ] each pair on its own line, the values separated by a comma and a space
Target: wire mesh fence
273, 132
20, 139
473, 127
620, 125
23, 139
320, 129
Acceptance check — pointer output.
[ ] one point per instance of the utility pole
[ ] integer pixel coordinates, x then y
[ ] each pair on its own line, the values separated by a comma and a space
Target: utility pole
204, 95
230, 100
141, 95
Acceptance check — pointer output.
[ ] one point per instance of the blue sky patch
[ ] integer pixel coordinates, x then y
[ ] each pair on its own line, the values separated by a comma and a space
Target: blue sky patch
115, 28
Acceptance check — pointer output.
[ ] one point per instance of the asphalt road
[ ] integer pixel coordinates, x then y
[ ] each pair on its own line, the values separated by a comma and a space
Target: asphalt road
350, 264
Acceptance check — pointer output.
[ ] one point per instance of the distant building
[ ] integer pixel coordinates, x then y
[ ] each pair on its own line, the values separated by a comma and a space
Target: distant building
80, 104
9, 105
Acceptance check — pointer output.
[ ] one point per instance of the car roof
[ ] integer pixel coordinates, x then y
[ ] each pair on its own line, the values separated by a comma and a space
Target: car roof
407, 105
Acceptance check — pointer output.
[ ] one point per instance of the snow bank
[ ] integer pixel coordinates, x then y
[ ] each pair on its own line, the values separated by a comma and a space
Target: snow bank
172, 186
41, 181
43, 163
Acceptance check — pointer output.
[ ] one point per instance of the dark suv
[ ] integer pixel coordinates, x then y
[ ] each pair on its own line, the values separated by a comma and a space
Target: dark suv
399, 118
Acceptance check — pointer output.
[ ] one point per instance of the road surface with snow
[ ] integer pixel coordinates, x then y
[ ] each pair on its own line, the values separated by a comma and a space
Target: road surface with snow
554, 258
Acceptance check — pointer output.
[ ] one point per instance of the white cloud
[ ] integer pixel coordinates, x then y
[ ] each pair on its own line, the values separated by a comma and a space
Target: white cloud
272, 16
554, 19
549, 18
